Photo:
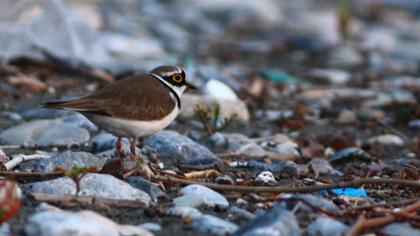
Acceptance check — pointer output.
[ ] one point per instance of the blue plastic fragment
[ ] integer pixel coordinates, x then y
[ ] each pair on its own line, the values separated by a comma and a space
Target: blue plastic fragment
352, 192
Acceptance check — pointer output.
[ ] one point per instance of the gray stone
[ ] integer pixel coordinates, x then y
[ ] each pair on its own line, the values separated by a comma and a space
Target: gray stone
397, 229
94, 185
44, 133
174, 147
345, 57
183, 212
242, 213
195, 195
105, 141
150, 188
349, 154
5, 229
321, 166
387, 139
151, 226
314, 200
83, 223
325, 226
209, 224
278, 221
67, 159
237, 143
80, 120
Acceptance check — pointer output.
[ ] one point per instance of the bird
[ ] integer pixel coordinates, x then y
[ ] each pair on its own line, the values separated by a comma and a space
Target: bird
133, 107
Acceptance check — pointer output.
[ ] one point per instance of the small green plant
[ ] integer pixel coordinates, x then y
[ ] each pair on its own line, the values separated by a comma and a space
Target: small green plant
210, 121
344, 19
76, 174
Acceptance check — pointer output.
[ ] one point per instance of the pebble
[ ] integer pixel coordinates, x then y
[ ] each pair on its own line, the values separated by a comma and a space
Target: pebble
266, 177
177, 148
332, 76
93, 185
239, 143
278, 221
313, 199
227, 107
414, 124
104, 141
242, 213
278, 167
82, 223
224, 179
45, 133
387, 139
5, 229
195, 195
80, 120
321, 166
325, 226
288, 148
151, 226
150, 188
349, 154
209, 224
346, 117
345, 57
67, 160
183, 211
396, 229
218, 89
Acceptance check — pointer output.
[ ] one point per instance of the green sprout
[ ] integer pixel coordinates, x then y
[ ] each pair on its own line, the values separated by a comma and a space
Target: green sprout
210, 122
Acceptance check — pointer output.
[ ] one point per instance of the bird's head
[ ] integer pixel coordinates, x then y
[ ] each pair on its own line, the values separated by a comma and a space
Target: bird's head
174, 77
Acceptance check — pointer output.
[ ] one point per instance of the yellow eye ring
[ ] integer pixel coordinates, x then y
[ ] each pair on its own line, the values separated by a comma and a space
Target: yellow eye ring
177, 78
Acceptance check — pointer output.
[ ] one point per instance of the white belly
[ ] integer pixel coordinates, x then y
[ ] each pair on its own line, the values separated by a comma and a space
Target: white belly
132, 128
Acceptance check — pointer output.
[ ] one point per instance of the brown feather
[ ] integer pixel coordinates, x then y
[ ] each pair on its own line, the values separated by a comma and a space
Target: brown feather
140, 97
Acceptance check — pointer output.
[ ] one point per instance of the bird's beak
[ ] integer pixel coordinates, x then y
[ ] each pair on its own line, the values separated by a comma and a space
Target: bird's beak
190, 86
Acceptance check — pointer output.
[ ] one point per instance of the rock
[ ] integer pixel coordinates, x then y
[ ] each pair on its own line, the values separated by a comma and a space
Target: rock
82, 223
396, 229
209, 224
330, 76
321, 166
5, 229
346, 117
93, 185
80, 120
150, 188
130, 47
195, 195
278, 221
387, 139
288, 168
174, 147
237, 143
224, 179
218, 89
287, 148
325, 226
266, 177
105, 141
345, 57
45, 133
183, 212
414, 124
43, 113
242, 213
314, 200
151, 226
67, 159
227, 107
349, 154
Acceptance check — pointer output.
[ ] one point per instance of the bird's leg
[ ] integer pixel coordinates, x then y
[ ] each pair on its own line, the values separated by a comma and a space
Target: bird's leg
142, 164
118, 148
133, 143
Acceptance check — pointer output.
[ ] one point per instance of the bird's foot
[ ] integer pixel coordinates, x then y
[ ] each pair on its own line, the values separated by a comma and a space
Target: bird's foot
143, 167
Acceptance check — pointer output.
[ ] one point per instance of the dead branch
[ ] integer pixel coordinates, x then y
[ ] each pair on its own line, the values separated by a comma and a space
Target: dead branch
65, 199
282, 189
22, 158
362, 223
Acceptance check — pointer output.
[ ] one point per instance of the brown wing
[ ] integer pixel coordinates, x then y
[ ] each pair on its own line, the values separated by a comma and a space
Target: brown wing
137, 98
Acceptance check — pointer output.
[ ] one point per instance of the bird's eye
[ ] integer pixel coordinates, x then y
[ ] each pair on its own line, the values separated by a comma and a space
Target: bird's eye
177, 78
